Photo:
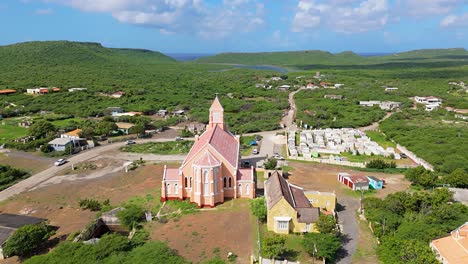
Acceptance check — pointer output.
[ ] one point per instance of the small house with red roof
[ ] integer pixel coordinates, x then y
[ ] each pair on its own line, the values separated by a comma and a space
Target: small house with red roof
355, 182
7, 91
211, 172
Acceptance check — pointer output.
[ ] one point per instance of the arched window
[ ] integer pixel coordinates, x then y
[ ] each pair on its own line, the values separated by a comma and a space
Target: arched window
240, 188
176, 188
230, 182
186, 182
191, 179
247, 189
205, 182
224, 182
168, 188
197, 183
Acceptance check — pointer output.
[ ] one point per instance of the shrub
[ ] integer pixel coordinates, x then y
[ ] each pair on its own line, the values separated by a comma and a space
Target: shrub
27, 239
271, 164
273, 246
90, 204
131, 215
258, 208
380, 164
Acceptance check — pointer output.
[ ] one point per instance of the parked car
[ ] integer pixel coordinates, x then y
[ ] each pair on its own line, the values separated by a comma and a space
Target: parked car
178, 139
254, 151
130, 142
278, 156
246, 163
60, 162
403, 155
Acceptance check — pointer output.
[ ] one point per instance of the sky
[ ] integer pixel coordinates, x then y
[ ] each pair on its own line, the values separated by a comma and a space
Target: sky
213, 26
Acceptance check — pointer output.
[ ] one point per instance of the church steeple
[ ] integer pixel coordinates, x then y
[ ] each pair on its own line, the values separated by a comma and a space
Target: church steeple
216, 114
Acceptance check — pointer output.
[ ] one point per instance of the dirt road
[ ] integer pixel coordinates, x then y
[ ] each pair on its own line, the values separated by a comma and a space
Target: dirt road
45, 175
291, 116
375, 125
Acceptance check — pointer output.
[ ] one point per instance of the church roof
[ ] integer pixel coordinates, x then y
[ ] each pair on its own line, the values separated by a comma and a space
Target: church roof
216, 105
207, 160
171, 174
245, 174
220, 140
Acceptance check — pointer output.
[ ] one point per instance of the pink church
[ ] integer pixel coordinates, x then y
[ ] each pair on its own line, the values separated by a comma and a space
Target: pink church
211, 171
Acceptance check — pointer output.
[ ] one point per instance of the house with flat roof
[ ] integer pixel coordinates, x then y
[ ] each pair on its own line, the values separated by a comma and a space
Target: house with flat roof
74, 134
288, 208
9, 223
60, 144
453, 248
124, 127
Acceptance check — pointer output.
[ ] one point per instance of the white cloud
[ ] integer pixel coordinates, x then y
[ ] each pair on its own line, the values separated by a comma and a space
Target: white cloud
199, 17
455, 21
346, 16
421, 8
46, 11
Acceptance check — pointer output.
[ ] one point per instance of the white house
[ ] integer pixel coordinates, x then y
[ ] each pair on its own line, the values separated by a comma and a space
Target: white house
60, 144
431, 107
369, 103
338, 85
391, 89
432, 100
71, 90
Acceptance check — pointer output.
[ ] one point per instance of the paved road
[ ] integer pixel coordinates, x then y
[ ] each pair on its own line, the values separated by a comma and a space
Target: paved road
45, 175
347, 218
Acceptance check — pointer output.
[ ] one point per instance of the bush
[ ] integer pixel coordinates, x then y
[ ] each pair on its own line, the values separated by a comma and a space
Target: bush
131, 215
258, 208
273, 246
380, 164
26, 239
90, 204
271, 164
326, 224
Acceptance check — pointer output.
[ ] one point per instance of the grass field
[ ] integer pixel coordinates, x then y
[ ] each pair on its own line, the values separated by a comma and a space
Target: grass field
380, 139
9, 132
162, 148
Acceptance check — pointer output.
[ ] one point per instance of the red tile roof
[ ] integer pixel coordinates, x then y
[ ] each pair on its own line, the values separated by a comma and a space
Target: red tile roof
7, 91
358, 178
245, 174
207, 160
221, 141
172, 174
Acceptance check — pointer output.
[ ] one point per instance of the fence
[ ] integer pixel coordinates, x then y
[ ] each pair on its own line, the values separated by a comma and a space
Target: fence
415, 158
329, 161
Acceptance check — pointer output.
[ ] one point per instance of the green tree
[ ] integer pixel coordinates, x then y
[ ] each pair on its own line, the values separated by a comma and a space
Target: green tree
26, 239
130, 215
273, 246
458, 178
105, 127
327, 245
258, 208
416, 252
41, 129
326, 224
271, 164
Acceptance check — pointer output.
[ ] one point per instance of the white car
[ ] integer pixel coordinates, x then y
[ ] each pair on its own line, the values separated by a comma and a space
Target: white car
60, 162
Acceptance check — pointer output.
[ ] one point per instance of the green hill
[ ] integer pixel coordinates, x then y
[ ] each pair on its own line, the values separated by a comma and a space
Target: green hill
317, 57
284, 58
66, 52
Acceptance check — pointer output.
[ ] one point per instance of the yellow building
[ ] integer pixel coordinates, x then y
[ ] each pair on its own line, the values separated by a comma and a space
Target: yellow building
289, 210
323, 200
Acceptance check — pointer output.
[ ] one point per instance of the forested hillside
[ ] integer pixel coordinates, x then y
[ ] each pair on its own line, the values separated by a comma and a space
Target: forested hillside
338, 60
150, 81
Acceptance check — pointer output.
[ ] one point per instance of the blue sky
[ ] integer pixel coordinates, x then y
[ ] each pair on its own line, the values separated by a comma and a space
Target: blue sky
211, 26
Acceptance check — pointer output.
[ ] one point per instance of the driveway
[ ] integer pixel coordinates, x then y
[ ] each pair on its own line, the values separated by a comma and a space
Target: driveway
347, 219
